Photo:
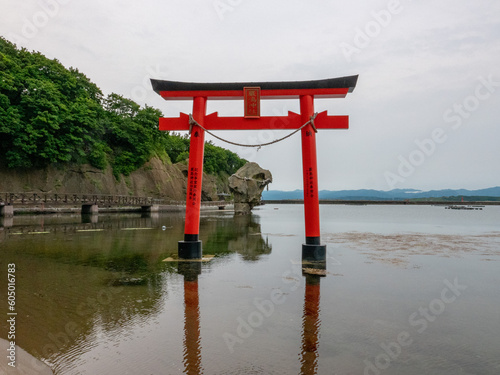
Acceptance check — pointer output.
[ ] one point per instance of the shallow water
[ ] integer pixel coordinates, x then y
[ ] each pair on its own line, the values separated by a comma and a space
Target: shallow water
408, 290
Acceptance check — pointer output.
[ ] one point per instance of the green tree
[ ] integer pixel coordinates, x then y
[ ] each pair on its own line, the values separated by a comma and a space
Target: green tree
48, 114
132, 133
218, 160
53, 115
177, 147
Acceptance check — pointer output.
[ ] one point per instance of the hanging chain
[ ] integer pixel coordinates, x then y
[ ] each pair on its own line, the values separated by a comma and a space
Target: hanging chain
192, 122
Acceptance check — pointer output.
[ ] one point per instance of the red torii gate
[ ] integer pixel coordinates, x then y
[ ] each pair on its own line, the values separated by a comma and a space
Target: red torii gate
252, 92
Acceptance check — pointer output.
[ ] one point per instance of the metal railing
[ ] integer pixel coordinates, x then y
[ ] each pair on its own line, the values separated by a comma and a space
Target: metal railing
28, 198
70, 199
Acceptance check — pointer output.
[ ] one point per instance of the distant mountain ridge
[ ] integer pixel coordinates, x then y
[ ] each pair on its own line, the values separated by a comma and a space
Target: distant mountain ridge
370, 194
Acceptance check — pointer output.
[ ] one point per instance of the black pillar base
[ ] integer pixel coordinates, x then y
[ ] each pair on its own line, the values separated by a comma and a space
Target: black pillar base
189, 249
313, 252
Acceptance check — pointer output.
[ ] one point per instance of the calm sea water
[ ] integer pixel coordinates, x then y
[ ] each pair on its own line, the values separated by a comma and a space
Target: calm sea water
408, 290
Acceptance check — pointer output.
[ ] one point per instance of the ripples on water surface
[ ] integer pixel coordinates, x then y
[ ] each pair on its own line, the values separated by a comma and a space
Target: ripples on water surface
408, 290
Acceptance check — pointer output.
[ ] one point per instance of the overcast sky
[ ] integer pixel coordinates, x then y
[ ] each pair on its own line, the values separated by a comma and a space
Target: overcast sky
425, 112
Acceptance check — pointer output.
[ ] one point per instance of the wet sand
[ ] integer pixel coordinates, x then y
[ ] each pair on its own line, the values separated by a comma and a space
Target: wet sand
397, 249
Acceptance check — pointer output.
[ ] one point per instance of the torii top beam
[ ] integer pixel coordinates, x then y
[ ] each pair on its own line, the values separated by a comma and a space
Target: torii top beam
324, 88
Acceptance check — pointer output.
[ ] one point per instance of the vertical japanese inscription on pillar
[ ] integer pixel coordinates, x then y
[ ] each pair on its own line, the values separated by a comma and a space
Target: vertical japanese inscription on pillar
309, 188
251, 97
193, 186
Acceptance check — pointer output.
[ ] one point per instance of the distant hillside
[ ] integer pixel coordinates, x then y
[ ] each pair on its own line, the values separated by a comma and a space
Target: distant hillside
395, 194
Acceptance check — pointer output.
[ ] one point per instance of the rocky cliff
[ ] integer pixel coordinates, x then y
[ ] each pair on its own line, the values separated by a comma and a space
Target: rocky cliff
247, 185
155, 179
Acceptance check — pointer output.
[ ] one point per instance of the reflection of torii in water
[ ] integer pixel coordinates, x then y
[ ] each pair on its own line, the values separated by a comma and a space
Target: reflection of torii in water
192, 334
245, 232
310, 319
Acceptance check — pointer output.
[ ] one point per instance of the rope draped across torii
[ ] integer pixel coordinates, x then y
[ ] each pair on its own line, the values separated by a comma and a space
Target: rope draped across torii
192, 122
307, 122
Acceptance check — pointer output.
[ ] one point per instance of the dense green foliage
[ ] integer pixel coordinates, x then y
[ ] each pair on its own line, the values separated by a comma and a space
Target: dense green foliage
50, 114
216, 160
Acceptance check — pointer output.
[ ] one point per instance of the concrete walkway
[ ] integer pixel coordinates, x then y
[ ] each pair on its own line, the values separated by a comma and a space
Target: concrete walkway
25, 363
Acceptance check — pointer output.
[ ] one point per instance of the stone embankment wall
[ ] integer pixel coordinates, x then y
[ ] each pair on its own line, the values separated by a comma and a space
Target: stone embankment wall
155, 179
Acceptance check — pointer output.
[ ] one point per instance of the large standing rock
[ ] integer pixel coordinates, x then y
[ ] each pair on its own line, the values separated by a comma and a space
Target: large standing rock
247, 185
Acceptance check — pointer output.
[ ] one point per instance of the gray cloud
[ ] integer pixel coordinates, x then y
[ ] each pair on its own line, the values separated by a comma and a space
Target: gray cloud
418, 63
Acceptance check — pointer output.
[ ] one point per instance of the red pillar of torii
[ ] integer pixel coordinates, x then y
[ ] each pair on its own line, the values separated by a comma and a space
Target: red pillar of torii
252, 92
